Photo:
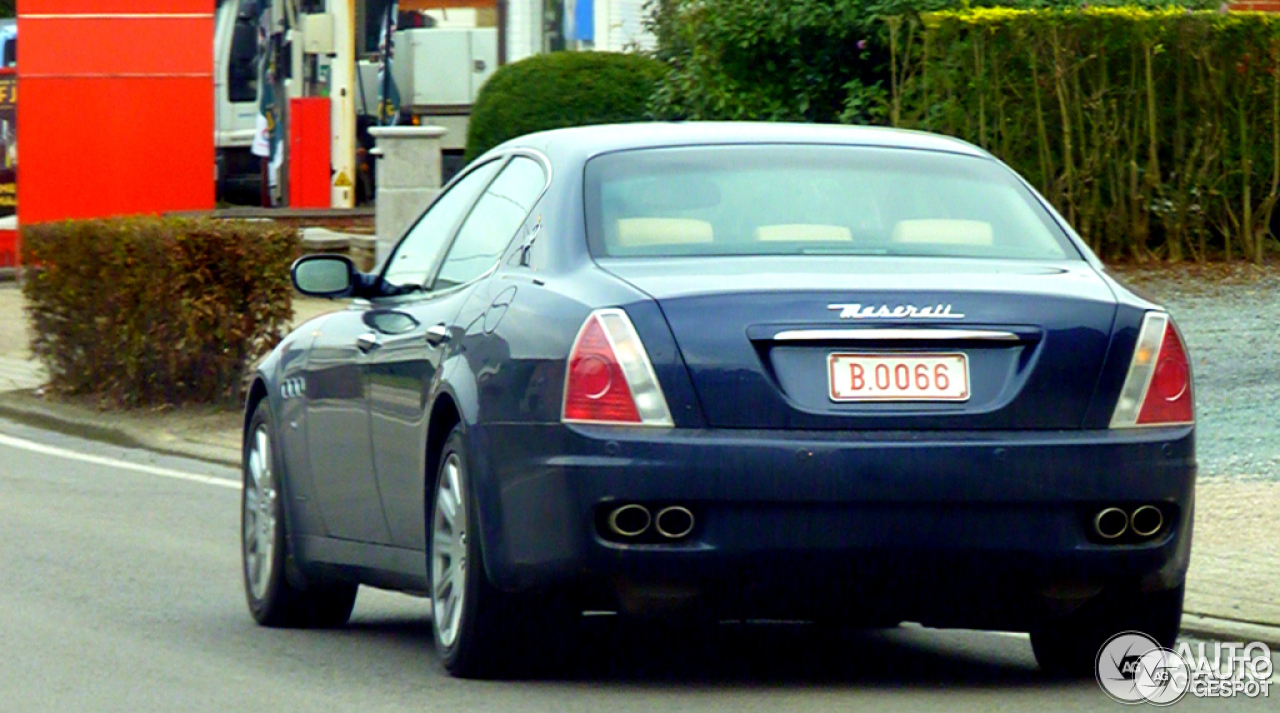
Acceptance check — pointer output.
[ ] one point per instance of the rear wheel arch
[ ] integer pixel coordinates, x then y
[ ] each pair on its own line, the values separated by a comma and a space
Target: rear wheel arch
444, 416
496, 633
448, 414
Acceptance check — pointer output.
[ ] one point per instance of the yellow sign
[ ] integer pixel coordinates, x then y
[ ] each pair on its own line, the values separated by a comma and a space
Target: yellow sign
342, 181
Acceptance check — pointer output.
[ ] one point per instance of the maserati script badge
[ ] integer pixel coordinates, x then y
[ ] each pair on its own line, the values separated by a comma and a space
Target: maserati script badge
857, 311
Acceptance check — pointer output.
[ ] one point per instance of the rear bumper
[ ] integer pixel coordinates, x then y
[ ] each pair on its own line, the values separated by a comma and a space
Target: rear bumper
912, 518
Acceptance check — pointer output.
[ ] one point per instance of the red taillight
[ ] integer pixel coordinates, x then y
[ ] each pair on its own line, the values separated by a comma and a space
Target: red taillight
1157, 390
596, 389
1168, 398
610, 378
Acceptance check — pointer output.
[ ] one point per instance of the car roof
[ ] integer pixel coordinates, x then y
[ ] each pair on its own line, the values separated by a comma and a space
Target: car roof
583, 142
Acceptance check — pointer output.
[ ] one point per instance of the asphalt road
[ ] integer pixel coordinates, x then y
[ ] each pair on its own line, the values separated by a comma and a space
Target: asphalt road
120, 591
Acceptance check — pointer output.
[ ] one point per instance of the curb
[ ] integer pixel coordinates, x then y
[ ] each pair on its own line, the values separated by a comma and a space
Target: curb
1230, 629
24, 407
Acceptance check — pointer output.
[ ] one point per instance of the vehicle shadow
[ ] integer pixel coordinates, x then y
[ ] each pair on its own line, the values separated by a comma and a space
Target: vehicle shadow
784, 653
615, 650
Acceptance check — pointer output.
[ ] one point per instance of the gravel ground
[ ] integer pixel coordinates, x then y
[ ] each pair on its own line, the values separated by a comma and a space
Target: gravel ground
1229, 317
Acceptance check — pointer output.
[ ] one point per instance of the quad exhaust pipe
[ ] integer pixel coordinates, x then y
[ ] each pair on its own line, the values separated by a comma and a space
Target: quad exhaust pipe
633, 520
1146, 521
630, 520
1112, 522
674, 522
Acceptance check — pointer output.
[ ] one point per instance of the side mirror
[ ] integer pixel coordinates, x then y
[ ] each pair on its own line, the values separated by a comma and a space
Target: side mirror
324, 275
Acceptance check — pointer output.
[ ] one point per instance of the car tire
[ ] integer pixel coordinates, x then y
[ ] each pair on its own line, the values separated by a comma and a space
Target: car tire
480, 631
273, 599
1068, 646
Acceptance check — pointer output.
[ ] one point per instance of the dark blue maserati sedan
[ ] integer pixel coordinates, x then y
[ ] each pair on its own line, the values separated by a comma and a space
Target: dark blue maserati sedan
849, 375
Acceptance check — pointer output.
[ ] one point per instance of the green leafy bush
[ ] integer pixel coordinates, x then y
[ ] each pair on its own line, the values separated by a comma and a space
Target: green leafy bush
560, 89
1155, 132
788, 60
146, 311
1155, 129
765, 60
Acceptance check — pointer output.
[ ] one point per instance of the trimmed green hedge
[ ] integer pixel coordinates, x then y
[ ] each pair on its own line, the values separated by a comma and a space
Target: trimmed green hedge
560, 89
1155, 132
792, 60
1154, 129
147, 311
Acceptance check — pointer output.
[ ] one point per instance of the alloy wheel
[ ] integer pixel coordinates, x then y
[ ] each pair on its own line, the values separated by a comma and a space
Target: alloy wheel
259, 515
449, 551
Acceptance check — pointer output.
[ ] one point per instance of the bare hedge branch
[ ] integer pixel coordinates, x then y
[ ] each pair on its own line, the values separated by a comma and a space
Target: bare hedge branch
1186, 103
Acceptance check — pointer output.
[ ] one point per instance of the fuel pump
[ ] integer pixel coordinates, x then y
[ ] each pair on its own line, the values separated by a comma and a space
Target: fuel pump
308, 50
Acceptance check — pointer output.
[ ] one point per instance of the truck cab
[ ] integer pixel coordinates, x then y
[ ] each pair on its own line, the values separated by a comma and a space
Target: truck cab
443, 52
235, 105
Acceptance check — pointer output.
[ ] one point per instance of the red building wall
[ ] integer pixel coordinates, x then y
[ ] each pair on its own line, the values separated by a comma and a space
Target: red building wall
116, 109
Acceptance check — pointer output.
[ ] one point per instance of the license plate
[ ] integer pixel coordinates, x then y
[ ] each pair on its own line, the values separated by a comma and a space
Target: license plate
898, 377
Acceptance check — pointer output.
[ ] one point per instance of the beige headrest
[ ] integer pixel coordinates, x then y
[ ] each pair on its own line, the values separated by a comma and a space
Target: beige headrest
803, 232
943, 232
640, 232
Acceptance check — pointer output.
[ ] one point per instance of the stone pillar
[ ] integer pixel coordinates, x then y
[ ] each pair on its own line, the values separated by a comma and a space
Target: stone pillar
408, 178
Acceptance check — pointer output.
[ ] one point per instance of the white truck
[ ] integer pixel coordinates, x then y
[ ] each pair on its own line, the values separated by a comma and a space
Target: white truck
235, 103
444, 50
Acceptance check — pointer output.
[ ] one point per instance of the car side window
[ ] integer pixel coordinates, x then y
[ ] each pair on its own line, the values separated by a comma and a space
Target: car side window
497, 216
422, 247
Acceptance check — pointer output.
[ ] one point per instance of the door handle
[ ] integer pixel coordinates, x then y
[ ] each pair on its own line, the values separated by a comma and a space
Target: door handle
437, 335
367, 342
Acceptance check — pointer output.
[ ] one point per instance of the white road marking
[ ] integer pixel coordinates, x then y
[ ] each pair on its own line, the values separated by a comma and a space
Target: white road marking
32, 446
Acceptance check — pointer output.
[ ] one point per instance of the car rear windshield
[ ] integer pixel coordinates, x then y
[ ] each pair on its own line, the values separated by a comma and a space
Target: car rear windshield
813, 200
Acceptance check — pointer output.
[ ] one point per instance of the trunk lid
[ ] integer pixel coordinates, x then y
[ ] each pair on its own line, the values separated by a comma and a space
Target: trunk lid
758, 336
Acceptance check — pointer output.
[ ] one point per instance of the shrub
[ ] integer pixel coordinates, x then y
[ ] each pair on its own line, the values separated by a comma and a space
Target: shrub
1153, 128
560, 89
1155, 132
146, 311
763, 60
788, 60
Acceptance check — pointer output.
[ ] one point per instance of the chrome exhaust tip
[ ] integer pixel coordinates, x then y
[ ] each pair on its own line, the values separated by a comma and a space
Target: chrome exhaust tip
1146, 520
674, 522
1111, 523
629, 520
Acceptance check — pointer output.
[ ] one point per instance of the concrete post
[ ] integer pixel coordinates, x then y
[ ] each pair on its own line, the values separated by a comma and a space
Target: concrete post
408, 178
